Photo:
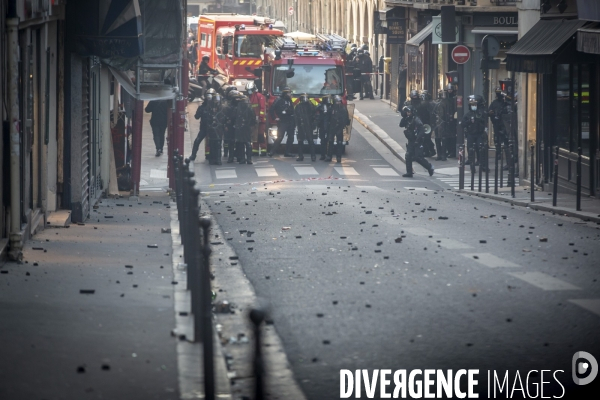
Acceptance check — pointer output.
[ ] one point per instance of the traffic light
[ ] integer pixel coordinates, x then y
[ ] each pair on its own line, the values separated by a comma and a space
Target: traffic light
448, 21
452, 77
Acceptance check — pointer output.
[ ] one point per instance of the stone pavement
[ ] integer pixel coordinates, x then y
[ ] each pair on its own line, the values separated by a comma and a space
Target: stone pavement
382, 120
99, 310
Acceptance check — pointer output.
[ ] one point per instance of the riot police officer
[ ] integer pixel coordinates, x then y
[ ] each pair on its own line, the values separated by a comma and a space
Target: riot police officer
323, 115
211, 126
305, 121
415, 134
474, 125
244, 121
229, 127
449, 121
338, 121
425, 112
228, 106
438, 114
282, 111
498, 109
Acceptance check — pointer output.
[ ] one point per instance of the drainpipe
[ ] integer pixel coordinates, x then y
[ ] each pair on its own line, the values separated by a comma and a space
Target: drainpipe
16, 237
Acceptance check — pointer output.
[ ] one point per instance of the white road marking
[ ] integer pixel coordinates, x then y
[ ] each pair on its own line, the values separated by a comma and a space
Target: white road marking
592, 305
266, 171
419, 231
386, 171
158, 173
346, 171
306, 171
225, 173
143, 182
490, 260
451, 244
543, 281
418, 189
368, 187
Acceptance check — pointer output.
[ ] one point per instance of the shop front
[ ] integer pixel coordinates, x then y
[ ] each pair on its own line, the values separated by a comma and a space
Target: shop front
567, 102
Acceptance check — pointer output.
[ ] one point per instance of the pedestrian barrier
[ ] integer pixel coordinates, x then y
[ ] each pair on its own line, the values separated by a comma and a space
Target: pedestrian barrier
195, 234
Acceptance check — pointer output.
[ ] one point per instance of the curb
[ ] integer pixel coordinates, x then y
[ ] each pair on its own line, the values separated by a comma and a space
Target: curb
380, 134
586, 216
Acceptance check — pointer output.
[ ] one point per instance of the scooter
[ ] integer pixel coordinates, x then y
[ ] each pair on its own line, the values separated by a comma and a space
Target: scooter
196, 89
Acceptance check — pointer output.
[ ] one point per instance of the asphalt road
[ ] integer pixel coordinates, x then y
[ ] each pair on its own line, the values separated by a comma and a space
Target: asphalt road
365, 269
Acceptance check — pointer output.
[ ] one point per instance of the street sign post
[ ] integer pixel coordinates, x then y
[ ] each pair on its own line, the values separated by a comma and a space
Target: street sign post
461, 54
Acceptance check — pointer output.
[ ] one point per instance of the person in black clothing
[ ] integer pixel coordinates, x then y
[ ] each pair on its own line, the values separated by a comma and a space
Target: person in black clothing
415, 134
245, 119
212, 119
401, 87
226, 102
450, 121
498, 109
304, 114
282, 111
338, 121
365, 64
474, 125
425, 112
323, 116
229, 132
438, 114
203, 72
158, 122
193, 56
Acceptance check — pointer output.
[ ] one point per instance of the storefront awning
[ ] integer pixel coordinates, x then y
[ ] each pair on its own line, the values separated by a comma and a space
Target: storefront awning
536, 51
147, 92
588, 39
490, 30
420, 37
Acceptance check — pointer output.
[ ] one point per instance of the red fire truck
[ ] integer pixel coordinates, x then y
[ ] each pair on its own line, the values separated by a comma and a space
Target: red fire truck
235, 44
318, 71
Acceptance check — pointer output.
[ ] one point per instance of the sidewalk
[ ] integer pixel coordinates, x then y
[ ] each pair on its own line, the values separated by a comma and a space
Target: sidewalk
100, 310
382, 121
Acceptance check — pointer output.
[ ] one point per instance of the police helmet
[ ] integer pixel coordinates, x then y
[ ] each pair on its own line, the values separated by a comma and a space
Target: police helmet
425, 95
360, 52
366, 53
205, 58
414, 94
408, 109
211, 91
250, 87
473, 103
241, 97
364, 47
286, 91
498, 89
232, 94
353, 45
337, 99
223, 89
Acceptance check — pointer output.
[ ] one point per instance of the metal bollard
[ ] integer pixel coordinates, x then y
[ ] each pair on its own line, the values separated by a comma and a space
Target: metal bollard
555, 179
461, 168
502, 165
498, 150
579, 179
194, 266
480, 156
531, 175
541, 164
257, 317
207, 331
511, 168
472, 165
487, 167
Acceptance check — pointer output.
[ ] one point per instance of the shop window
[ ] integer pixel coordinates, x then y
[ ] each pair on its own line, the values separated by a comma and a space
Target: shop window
562, 106
585, 108
573, 107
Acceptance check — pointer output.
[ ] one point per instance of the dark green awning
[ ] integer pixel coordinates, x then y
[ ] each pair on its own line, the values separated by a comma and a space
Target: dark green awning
537, 50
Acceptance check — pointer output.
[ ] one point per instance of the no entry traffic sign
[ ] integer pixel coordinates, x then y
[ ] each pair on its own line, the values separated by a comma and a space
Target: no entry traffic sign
461, 54
291, 10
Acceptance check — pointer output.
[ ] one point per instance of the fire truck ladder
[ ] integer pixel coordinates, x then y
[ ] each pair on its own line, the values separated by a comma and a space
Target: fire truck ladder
332, 42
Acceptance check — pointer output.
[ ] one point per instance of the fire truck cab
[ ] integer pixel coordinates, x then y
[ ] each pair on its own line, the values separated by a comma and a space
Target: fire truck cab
318, 71
235, 44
